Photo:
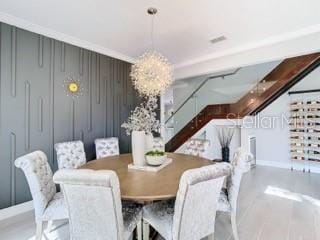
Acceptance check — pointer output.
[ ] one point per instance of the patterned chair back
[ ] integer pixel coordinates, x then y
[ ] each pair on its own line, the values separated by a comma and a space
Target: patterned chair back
241, 163
197, 147
158, 144
94, 203
39, 177
70, 154
106, 147
197, 200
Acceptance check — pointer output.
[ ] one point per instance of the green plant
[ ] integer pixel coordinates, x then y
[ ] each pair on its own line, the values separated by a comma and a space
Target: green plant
155, 153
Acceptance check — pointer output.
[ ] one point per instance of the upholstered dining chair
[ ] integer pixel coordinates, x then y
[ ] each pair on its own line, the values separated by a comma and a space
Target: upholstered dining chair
197, 147
48, 204
192, 215
106, 147
158, 144
241, 163
94, 205
70, 154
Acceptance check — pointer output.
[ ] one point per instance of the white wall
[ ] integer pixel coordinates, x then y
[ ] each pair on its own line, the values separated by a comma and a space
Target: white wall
210, 130
273, 144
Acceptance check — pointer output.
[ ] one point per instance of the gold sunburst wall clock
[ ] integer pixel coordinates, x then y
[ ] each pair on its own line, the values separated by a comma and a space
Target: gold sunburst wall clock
73, 87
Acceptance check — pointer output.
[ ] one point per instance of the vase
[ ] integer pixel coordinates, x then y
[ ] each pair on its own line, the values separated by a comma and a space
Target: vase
149, 142
225, 152
138, 142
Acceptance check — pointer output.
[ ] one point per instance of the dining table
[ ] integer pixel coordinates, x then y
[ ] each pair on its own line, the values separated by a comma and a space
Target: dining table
144, 186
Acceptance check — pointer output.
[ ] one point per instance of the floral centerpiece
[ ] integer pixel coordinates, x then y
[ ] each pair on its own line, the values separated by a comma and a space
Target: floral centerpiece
143, 118
140, 125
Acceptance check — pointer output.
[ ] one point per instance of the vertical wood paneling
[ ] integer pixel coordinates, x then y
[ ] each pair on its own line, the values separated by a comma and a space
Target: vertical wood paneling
40, 51
90, 92
121, 77
107, 79
40, 114
73, 119
27, 115
81, 62
51, 100
13, 61
13, 148
118, 126
98, 78
82, 135
0, 79
115, 96
36, 113
125, 90
63, 57
111, 92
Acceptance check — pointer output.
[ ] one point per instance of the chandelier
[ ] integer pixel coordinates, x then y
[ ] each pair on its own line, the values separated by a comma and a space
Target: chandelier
152, 73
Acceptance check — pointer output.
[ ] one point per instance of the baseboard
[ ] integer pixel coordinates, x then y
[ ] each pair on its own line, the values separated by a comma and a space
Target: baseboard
16, 210
294, 166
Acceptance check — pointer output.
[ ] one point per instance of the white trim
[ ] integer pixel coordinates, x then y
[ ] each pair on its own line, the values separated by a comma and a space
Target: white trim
21, 23
15, 210
283, 165
253, 45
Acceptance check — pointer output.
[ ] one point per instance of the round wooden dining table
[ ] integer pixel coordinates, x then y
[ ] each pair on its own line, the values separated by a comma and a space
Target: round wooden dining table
142, 186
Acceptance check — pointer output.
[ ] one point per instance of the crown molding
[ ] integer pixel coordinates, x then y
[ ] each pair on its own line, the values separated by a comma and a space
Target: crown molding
253, 45
29, 26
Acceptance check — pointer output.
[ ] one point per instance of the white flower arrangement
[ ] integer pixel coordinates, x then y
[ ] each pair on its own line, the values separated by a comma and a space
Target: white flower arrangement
143, 118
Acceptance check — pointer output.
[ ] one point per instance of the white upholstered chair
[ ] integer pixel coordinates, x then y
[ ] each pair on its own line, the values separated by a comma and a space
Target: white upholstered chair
158, 144
94, 205
197, 147
48, 204
241, 163
192, 216
106, 147
70, 154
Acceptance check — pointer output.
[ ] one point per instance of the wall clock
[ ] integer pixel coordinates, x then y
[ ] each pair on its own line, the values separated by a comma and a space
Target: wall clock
73, 87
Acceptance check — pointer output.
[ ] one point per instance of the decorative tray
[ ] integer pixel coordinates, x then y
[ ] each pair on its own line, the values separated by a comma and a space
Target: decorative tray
149, 168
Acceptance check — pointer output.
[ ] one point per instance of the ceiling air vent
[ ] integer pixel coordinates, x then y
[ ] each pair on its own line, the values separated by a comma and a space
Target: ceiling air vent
218, 39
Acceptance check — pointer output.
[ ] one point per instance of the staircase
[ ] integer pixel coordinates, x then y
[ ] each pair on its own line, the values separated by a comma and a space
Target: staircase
278, 81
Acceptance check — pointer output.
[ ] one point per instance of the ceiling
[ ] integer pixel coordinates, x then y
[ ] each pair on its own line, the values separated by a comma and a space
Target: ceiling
183, 28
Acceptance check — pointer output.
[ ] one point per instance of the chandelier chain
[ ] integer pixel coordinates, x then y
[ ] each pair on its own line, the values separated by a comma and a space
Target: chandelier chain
152, 31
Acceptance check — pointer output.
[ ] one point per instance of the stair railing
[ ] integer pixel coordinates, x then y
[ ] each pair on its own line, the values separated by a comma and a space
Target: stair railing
193, 94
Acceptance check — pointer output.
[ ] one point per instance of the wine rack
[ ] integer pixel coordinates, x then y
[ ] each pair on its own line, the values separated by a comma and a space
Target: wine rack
305, 128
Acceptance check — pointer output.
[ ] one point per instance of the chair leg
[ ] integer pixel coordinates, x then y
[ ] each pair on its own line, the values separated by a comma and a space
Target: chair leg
139, 230
39, 230
49, 226
234, 226
146, 230
210, 237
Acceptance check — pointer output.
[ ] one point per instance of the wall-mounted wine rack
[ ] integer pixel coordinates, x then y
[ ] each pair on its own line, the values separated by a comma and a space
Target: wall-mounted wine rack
305, 127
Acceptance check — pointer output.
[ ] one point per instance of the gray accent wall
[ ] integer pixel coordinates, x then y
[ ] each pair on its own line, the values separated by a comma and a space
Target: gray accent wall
36, 113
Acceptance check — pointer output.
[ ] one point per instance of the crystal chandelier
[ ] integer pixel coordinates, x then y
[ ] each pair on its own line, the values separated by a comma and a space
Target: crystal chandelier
152, 73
